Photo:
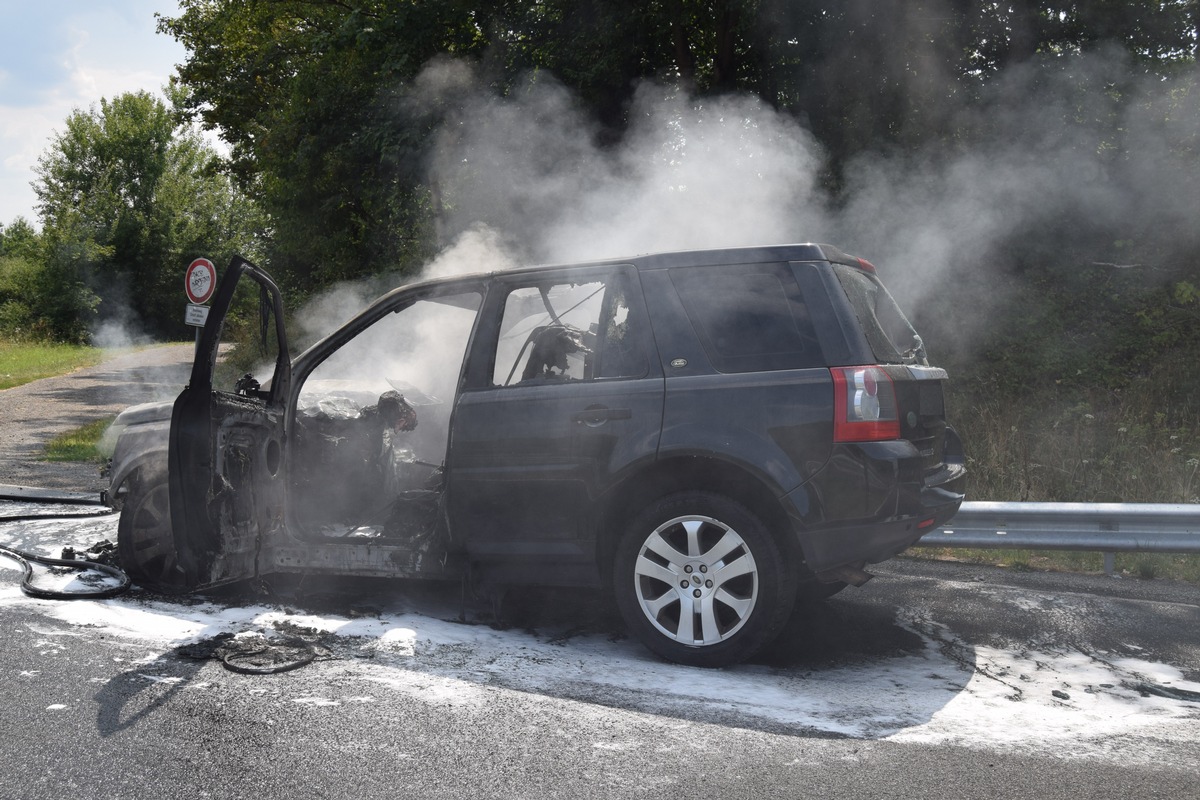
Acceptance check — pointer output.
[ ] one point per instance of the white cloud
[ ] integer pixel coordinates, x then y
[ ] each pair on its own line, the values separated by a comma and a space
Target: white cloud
59, 57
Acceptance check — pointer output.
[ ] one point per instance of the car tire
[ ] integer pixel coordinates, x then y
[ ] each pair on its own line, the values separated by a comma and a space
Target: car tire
144, 540
700, 580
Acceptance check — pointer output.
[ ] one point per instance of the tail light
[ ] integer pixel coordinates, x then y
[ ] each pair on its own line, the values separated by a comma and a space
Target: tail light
864, 402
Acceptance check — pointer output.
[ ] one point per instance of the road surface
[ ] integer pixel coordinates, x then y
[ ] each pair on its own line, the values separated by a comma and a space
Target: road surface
935, 680
36, 412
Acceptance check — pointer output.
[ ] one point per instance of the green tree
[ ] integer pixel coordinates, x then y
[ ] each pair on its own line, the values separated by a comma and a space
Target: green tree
18, 238
330, 119
20, 277
127, 197
314, 100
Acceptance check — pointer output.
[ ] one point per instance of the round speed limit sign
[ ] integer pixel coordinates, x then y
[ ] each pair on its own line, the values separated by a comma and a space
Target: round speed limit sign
201, 280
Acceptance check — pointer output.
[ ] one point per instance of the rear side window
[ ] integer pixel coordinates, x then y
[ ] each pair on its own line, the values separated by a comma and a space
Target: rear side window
749, 318
892, 338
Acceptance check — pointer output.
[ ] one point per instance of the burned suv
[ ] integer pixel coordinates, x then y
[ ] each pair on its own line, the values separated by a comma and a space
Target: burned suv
707, 435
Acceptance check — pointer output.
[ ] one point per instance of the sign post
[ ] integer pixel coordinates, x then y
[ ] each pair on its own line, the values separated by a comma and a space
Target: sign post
199, 284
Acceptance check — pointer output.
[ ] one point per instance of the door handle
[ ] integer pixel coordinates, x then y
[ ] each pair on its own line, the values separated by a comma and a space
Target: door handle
598, 415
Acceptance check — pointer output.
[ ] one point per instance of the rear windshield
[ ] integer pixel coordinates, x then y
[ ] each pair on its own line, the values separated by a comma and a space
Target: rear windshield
891, 337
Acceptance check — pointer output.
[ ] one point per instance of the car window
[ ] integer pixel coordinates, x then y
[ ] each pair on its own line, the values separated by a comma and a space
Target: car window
749, 317
889, 333
416, 352
563, 330
254, 332
372, 422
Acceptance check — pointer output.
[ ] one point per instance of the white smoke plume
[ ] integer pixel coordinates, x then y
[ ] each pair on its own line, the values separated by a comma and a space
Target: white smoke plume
688, 175
524, 179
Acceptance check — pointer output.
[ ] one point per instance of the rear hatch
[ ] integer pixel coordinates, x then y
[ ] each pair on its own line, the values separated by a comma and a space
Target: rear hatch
919, 403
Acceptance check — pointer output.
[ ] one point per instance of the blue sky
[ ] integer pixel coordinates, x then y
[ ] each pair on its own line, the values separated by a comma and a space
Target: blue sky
57, 56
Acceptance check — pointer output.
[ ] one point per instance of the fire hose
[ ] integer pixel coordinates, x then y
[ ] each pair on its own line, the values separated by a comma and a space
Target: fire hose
27, 560
247, 657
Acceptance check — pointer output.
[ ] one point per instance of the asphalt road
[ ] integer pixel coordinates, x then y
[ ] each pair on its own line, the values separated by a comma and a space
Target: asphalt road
934, 680
36, 412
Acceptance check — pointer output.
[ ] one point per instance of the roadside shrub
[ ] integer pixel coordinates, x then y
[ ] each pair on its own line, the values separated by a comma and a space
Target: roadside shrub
18, 286
1137, 444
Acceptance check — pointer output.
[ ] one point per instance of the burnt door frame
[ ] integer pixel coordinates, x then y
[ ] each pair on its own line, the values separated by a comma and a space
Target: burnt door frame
225, 457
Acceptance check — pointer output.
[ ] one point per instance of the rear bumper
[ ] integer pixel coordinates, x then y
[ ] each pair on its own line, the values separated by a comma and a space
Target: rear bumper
892, 505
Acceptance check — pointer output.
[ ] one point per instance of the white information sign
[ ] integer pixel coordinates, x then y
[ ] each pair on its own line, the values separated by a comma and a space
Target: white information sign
196, 315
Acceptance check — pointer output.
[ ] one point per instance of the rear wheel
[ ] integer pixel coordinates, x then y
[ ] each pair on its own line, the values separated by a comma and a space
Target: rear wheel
144, 540
700, 580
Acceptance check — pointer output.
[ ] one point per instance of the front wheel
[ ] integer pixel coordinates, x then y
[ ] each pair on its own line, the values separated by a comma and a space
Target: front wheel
145, 543
700, 580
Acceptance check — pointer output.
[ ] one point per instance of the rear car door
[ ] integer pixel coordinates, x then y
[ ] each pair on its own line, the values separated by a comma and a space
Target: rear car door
226, 445
562, 398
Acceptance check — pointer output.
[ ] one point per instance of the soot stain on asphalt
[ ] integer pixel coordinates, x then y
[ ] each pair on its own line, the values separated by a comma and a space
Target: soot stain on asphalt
825, 634
820, 635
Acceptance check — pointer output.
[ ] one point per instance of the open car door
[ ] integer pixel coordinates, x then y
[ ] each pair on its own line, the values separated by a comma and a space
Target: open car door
226, 449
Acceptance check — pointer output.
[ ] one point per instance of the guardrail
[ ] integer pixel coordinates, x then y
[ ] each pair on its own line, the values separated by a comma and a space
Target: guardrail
1094, 527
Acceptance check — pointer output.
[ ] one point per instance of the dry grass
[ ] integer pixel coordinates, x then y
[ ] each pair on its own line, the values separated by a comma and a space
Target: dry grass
1139, 445
1135, 446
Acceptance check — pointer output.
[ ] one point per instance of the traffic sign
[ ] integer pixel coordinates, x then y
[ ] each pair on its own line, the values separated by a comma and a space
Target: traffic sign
201, 280
196, 315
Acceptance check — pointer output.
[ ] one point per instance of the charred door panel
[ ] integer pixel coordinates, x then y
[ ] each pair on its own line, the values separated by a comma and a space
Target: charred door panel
226, 450
245, 499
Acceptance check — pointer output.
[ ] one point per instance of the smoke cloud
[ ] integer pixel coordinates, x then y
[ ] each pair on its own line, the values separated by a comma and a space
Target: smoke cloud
1049, 157
525, 176
688, 175
526, 180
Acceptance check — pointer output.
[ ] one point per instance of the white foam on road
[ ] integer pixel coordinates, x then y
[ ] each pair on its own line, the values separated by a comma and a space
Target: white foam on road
1064, 703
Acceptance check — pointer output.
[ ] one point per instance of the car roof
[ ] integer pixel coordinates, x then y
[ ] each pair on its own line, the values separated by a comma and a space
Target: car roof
670, 260
650, 261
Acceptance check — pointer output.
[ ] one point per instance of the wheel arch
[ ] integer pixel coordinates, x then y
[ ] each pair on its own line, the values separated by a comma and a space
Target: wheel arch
684, 473
149, 462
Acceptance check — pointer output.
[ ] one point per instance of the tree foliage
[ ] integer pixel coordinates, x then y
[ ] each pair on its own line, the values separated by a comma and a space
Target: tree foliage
320, 103
127, 197
331, 112
312, 98
19, 279
331, 108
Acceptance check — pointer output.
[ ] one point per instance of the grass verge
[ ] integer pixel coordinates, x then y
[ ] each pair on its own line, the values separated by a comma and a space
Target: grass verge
78, 445
1136, 444
24, 362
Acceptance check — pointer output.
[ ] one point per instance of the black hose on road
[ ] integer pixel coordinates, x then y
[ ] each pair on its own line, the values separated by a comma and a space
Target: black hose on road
27, 560
247, 658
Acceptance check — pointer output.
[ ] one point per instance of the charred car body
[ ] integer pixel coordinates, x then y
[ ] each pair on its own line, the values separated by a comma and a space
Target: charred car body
710, 435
